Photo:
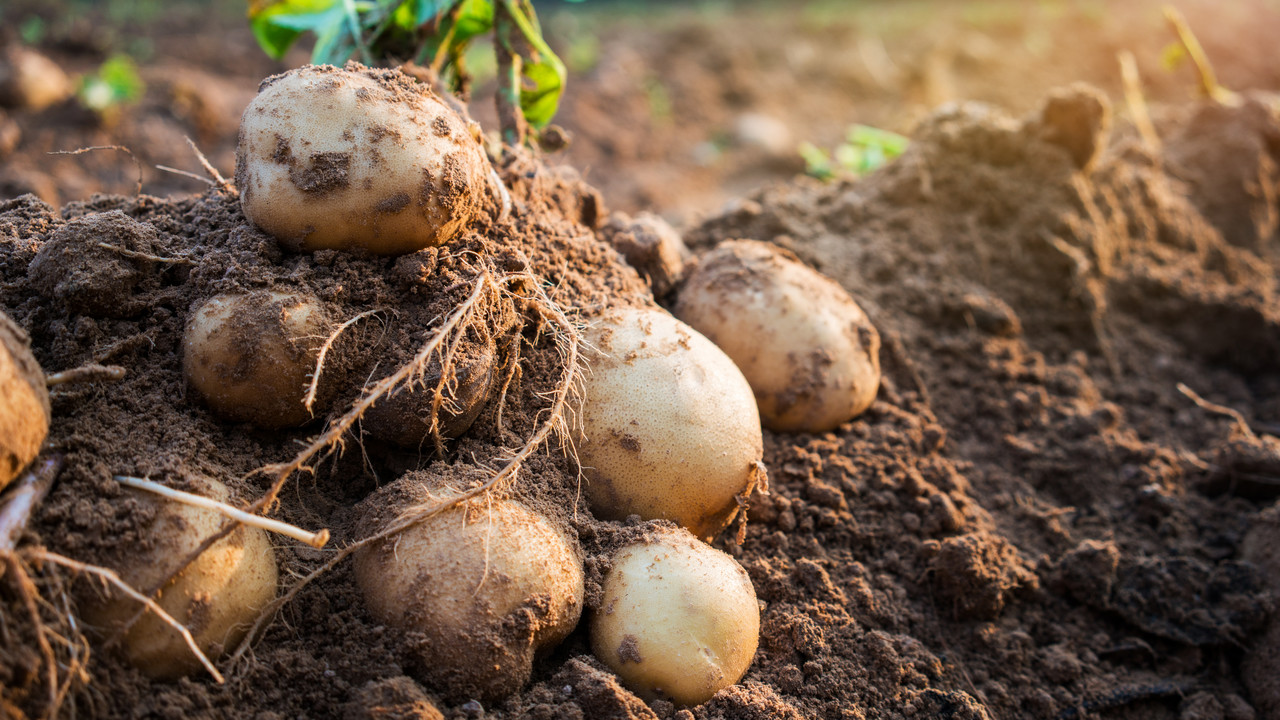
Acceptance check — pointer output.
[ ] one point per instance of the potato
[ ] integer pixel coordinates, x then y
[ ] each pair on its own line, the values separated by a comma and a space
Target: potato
357, 158
217, 597
31, 81
251, 355
477, 590
669, 428
24, 402
73, 269
404, 417
810, 353
679, 619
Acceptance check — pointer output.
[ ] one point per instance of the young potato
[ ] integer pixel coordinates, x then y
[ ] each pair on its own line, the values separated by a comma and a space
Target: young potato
810, 353
679, 619
477, 590
669, 428
30, 81
357, 158
404, 417
217, 597
24, 402
251, 356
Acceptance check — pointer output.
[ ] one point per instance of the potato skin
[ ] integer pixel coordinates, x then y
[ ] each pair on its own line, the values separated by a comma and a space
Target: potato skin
250, 356
352, 158
404, 417
478, 589
669, 427
810, 353
217, 597
24, 402
679, 619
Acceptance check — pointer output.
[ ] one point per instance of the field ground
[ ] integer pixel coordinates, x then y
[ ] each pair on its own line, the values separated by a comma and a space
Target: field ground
1036, 519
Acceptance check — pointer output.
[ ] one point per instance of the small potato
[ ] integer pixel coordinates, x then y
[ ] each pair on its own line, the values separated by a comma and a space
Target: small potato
404, 417
30, 81
74, 269
24, 402
217, 597
669, 427
251, 356
357, 158
810, 353
679, 619
477, 590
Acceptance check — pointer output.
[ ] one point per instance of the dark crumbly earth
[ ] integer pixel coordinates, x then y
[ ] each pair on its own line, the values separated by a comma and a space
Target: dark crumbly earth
1032, 521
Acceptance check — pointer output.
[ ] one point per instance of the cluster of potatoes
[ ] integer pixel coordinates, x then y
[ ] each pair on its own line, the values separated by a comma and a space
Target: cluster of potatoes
670, 427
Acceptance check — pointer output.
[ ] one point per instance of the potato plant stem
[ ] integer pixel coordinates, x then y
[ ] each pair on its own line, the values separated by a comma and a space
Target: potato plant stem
315, 540
510, 68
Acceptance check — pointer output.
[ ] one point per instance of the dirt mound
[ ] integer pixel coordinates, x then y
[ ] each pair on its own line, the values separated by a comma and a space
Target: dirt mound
1031, 521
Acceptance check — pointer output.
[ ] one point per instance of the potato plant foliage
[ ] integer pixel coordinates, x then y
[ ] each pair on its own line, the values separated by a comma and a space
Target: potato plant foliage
431, 33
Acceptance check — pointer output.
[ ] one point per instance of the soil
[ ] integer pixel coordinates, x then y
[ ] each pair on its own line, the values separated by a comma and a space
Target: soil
1034, 519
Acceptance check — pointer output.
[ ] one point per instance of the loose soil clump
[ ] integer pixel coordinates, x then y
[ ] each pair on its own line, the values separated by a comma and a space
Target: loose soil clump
1032, 520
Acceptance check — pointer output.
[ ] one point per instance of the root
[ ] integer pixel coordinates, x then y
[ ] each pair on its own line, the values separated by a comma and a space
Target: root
191, 175
553, 422
1209, 86
310, 397
1241, 423
1090, 295
146, 256
137, 190
28, 592
314, 539
114, 579
93, 372
26, 495
1137, 103
222, 183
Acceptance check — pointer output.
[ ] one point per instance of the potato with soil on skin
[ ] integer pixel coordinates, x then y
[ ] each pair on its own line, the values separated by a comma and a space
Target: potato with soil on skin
669, 428
810, 353
679, 619
404, 417
30, 81
73, 268
251, 355
24, 402
357, 159
217, 597
477, 590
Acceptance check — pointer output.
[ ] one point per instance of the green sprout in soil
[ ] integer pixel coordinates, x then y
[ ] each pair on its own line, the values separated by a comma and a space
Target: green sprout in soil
864, 150
115, 83
434, 34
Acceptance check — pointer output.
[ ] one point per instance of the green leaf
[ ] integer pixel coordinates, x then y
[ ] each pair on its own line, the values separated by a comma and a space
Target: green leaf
817, 163
116, 82
278, 25
475, 17
542, 69
426, 10
891, 144
541, 101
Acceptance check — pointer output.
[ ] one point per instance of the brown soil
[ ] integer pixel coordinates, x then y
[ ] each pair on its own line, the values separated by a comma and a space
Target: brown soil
1031, 521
